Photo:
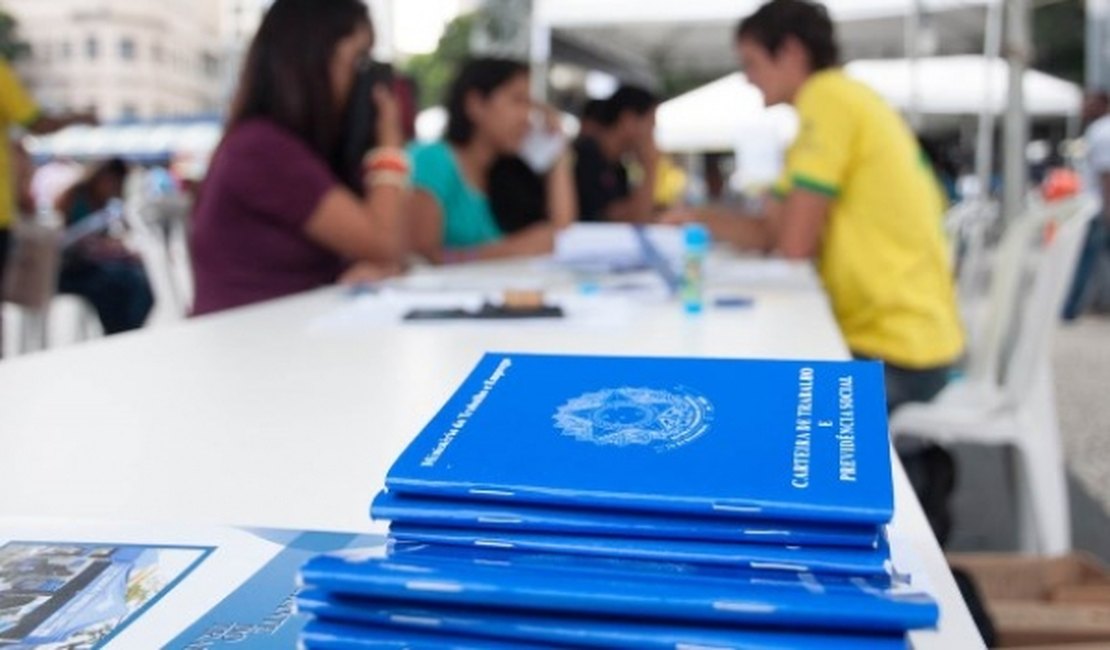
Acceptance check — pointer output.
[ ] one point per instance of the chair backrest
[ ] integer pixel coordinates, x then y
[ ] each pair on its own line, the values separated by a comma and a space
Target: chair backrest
1039, 308
967, 225
988, 335
145, 222
993, 339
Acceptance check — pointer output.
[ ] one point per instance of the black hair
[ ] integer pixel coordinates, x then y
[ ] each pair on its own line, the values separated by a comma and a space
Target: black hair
806, 21
287, 74
593, 109
628, 98
112, 167
483, 76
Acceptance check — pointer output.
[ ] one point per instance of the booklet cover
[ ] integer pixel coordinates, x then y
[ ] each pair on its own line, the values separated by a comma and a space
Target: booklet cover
797, 601
765, 557
322, 635
657, 570
370, 617
85, 585
522, 517
744, 439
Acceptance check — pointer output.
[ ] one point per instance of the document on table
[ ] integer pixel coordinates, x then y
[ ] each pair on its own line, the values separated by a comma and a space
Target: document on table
108, 585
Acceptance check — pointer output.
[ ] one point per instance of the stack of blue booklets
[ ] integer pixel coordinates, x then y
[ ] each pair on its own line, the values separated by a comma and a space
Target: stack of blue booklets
618, 502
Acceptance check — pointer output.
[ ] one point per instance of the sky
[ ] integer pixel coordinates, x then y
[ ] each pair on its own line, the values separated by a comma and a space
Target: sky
419, 24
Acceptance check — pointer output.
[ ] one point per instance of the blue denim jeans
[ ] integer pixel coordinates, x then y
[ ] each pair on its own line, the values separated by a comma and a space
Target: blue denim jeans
1095, 245
118, 290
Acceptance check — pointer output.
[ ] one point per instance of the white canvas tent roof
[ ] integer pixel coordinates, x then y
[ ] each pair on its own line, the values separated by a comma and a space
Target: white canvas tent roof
714, 116
647, 35
140, 141
962, 85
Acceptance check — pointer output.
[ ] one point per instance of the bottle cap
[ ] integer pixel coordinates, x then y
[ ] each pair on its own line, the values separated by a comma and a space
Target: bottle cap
696, 236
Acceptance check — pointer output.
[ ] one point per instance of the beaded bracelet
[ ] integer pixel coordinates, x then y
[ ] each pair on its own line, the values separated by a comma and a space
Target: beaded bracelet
388, 178
386, 159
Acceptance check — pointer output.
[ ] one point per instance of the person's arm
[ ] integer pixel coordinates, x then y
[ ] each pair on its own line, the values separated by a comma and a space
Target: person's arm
43, 124
426, 236
369, 229
639, 207
17, 106
789, 227
562, 200
797, 229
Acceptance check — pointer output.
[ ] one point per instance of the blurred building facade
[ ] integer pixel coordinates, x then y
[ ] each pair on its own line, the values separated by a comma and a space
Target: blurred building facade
124, 59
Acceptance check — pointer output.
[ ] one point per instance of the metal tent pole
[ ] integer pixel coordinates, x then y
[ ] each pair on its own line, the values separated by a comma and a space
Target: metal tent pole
1016, 122
984, 146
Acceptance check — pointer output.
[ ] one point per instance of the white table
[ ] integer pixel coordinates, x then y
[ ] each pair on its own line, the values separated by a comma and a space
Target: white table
259, 417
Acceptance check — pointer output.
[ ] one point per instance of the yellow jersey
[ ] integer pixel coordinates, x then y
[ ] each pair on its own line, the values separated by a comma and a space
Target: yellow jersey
16, 107
883, 258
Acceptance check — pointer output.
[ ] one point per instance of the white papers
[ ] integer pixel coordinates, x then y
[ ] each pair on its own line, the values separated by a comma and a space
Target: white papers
615, 246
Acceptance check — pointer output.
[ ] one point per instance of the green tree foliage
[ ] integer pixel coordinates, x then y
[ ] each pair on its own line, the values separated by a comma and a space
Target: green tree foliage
11, 47
434, 71
1059, 34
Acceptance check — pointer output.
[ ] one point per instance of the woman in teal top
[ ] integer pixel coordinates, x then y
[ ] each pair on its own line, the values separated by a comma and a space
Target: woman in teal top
489, 115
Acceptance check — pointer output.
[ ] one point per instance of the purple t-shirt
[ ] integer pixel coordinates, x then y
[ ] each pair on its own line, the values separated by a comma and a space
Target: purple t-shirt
248, 238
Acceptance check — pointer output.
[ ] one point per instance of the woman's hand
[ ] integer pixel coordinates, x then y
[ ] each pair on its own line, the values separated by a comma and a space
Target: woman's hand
390, 133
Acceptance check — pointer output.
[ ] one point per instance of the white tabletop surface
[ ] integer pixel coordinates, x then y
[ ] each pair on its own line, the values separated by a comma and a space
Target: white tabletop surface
289, 414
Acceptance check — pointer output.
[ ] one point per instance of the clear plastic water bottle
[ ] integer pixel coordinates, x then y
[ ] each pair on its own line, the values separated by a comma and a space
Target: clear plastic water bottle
697, 241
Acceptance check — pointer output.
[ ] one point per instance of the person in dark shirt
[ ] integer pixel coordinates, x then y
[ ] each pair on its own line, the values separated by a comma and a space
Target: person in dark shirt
100, 268
517, 195
624, 126
274, 216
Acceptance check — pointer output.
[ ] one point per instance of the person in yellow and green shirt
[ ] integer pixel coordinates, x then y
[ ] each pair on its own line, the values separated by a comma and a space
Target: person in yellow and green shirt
858, 197
18, 109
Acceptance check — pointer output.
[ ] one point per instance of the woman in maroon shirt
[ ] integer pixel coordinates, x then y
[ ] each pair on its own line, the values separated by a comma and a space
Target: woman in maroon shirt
273, 217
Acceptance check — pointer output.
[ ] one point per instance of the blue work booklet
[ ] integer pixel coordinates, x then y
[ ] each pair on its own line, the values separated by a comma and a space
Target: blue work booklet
325, 635
500, 517
369, 618
798, 559
804, 441
797, 601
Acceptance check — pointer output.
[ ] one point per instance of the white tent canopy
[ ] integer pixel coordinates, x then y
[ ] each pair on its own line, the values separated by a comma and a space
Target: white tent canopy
142, 141
567, 13
697, 36
962, 85
714, 117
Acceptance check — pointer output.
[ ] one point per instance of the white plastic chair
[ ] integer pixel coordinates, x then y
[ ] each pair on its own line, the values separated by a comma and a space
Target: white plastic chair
1007, 396
157, 231
967, 225
31, 292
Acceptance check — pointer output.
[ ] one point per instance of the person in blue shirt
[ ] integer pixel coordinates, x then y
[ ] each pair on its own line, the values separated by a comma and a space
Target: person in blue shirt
489, 116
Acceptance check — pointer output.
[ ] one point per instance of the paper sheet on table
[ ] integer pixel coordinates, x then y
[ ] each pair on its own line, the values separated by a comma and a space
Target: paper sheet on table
125, 585
615, 246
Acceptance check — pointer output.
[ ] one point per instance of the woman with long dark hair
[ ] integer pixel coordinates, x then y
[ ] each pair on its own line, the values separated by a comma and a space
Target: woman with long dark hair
489, 115
274, 216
